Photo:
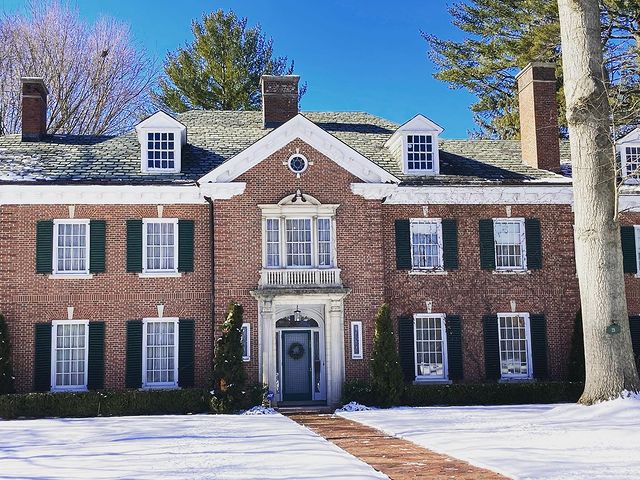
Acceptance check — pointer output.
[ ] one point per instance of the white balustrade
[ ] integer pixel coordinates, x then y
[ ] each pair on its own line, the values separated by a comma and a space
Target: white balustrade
299, 277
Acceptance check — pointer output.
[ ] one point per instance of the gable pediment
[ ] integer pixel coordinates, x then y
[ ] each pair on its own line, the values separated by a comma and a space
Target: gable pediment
301, 128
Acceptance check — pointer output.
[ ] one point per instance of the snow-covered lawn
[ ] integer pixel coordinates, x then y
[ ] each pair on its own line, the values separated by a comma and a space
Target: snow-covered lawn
189, 447
526, 441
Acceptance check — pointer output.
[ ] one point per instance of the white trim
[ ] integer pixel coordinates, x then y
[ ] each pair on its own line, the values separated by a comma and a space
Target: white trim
523, 245
479, 195
74, 388
161, 272
527, 327
161, 122
373, 191
304, 168
247, 337
438, 223
310, 133
445, 363
360, 354
176, 344
70, 276
69, 273
435, 155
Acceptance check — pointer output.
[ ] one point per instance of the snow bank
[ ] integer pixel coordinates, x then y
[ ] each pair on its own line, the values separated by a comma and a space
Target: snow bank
196, 446
260, 410
566, 441
353, 407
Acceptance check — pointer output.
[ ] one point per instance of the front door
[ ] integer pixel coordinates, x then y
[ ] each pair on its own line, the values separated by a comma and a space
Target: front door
296, 365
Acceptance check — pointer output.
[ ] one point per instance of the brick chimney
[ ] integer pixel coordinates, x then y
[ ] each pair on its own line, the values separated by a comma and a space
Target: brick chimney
279, 99
539, 130
34, 109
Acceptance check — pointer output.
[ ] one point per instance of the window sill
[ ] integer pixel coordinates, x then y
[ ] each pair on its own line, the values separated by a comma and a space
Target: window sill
71, 276
69, 390
428, 272
160, 274
432, 381
160, 387
357, 358
511, 272
516, 380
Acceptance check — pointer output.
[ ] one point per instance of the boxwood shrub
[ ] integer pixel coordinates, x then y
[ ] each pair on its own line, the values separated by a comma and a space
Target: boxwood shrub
507, 393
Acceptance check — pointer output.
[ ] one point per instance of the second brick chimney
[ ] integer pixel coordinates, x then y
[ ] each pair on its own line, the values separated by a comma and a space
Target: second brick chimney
279, 99
539, 130
34, 109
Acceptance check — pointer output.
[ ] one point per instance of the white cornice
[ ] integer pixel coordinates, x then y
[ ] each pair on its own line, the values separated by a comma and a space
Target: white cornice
373, 191
482, 195
310, 133
115, 195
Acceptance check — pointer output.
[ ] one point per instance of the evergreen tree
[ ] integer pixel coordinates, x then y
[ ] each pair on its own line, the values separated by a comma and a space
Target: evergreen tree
386, 374
229, 377
6, 372
502, 36
221, 68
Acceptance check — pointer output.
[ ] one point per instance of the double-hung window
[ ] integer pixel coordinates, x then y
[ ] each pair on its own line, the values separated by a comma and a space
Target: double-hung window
160, 245
298, 242
71, 246
515, 347
426, 244
160, 352
419, 153
69, 355
510, 244
430, 346
161, 151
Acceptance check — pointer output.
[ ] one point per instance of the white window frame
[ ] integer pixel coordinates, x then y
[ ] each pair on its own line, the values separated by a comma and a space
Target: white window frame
520, 376
434, 151
177, 150
523, 245
634, 177
67, 388
360, 354
176, 341
145, 270
438, 223
445, 363
246, 327
56, 224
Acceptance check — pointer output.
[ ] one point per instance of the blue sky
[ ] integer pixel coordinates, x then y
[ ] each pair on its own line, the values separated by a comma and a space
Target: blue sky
354, 55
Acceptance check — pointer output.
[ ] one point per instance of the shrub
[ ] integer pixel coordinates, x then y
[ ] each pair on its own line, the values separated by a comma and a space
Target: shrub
6, 372
386, 375
473, 394
104, 403
576, 355
229, 377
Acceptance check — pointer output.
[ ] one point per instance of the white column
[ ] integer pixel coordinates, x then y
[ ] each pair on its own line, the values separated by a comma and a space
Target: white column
335, 351
268, 344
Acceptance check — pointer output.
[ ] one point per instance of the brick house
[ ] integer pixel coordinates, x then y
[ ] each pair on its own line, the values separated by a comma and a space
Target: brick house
118, 255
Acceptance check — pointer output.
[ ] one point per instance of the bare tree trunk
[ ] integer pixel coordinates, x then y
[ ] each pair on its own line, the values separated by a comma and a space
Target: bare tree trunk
610, 366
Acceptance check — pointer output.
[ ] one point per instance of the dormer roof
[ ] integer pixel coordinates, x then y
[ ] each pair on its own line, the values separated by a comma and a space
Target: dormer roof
161, 121
419, 123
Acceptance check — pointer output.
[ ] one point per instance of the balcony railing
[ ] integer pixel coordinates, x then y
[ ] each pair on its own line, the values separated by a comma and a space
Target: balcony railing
299, 277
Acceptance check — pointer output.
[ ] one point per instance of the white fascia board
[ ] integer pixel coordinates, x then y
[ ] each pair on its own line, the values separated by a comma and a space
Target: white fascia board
373, 191
483, 195
222, 191
161, 121
310, 133
418, 124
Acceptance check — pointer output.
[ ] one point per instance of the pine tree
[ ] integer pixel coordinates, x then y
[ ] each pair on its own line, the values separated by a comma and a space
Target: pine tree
6, 372
229, 376
386, 374
221, 68
502, 36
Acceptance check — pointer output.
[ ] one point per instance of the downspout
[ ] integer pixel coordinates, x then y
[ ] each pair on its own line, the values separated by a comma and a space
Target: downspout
212, 254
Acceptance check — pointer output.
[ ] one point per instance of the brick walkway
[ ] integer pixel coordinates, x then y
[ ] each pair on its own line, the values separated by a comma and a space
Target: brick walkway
398, 459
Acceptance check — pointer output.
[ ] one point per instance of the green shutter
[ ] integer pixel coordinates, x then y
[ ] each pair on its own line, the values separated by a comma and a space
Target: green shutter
538, 328
186, 339
42, 358
185, 245
97, 238
403, 244
534, 243
44, 246
491, 347
487, 245
628, 238
134, 245
95, 366
454, 347
634, 328
450, 243
133, 371
406, 348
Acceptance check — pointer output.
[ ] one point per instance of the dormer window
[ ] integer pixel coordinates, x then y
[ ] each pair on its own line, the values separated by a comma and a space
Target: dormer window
631, 159
415, 145
161, 139
161, 151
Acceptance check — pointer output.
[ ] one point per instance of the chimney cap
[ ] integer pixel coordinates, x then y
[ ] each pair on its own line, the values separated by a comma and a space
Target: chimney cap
537, 65
35, 80
279, 77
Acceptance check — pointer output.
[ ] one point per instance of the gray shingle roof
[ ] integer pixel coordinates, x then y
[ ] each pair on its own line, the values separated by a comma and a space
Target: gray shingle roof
216, 136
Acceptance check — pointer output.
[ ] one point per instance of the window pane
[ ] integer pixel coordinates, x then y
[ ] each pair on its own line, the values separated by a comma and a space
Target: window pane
69, 367
513, 346
298, 232
245, 346
160, 352
273, 242
417, 158
425, 245
509, 238
324, 242
161, 148
71, 248
632, 160
160, 246
429, 347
